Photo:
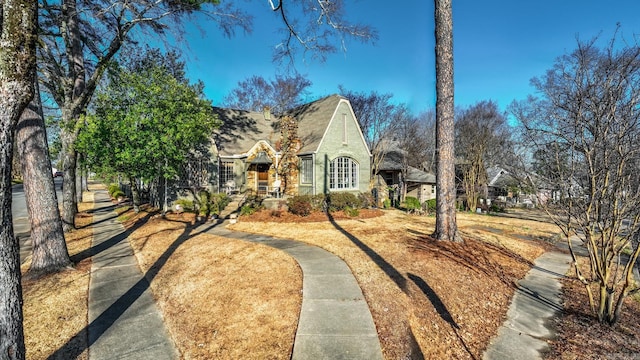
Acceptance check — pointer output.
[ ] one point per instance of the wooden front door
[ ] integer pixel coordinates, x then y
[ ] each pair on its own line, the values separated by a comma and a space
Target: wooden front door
263, 178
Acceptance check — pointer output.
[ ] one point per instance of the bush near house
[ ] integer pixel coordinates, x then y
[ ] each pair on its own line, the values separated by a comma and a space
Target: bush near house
340, 200
429, 205
412, 204
300, 205
252, 204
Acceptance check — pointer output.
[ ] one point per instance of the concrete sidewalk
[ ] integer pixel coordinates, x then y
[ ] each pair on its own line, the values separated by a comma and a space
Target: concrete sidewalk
124, 322
534, 303
335, 321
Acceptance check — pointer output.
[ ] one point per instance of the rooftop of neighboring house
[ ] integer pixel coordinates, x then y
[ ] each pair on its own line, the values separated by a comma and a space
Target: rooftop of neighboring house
242, 129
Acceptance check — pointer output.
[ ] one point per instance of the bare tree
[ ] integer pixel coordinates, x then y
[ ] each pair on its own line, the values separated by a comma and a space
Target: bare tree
375, 114
585, 128
446, 227
256, 93
18, 24
482, 134
321, 25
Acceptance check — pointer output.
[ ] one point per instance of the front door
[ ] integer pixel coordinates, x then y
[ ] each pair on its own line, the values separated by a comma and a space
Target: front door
263, 179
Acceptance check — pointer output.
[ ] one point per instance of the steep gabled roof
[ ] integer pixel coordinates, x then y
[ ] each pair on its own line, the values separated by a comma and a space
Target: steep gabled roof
313, 120
241, 129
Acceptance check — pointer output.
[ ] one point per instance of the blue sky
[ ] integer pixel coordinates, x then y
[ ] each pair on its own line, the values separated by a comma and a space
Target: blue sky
499, 45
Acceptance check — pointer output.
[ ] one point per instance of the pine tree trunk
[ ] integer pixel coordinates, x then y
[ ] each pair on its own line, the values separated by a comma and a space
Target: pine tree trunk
49, 247
18, 23
446, 227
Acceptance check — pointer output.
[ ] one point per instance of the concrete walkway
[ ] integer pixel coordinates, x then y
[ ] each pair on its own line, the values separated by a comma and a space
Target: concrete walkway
335, 321
124, 322
534, 303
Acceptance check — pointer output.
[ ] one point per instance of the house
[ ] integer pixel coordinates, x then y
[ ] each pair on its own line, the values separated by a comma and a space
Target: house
312, 149
393, 173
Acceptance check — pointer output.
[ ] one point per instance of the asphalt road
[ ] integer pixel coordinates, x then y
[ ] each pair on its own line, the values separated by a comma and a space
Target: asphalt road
21, 227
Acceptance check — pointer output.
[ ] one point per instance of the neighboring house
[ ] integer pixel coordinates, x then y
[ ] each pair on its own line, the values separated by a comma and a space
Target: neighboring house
327, 152
394, 173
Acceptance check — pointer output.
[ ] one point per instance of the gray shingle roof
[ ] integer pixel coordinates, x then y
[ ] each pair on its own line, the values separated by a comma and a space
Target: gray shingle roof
241, 129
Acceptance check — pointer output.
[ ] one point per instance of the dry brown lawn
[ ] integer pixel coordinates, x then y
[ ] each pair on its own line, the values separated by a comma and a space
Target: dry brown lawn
55, 306
221, 298
228, 299
429, 299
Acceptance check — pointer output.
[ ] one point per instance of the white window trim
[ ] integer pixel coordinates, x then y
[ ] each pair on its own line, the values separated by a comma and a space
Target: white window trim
350, 170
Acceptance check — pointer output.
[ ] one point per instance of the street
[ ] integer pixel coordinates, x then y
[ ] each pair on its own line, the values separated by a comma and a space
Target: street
21, 227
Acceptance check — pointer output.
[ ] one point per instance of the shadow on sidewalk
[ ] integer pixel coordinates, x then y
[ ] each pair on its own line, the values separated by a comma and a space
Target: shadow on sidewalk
93, 331
95, 250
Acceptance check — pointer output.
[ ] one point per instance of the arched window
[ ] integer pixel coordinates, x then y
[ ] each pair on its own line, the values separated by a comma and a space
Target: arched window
343, 174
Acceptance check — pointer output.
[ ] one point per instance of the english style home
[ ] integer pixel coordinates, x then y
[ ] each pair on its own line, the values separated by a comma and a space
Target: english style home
312, 149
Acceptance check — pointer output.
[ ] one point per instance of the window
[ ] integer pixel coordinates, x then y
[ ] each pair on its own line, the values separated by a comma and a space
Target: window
343, 174
226, 172
306, 170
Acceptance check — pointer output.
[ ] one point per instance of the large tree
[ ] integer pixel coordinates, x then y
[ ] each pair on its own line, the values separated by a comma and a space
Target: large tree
80, 38
18, 23
47, 238
446, 227
482, 135
584, 130
278, 95
146, 122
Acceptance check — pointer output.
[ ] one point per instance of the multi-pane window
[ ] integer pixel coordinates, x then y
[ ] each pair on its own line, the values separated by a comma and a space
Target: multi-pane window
306, 170
343, 174
226, 172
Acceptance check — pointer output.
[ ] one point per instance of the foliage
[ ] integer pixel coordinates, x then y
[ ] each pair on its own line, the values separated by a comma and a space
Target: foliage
496, 208
585, 129
341, 200
386, 203
219, 201
186, 204
350, 211
251, 204
412, 204
430, 205
278, 95
146, 121
366, 200
112, 188
300, 205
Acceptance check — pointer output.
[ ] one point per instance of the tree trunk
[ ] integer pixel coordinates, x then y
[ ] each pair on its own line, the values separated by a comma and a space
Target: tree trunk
49, 247
446, 227
135, 194
18, 23
69, 204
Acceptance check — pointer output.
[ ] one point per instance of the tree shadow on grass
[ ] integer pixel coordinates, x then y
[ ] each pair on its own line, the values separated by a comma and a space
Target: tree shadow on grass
392, 273
383, 264
440, 307
86, 337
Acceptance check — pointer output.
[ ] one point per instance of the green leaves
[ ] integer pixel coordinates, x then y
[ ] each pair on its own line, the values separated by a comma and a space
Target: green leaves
146, 121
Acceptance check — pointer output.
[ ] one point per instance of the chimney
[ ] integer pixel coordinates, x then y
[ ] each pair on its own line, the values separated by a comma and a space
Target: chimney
266, 111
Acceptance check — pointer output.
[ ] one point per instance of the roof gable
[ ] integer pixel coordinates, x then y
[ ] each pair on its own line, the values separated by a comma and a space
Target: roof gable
241, 129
